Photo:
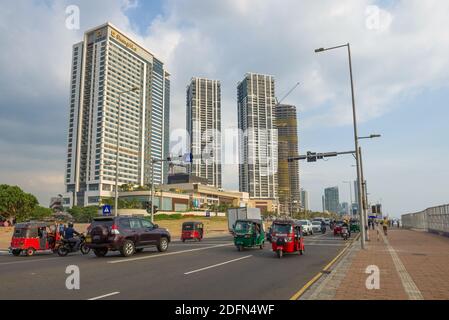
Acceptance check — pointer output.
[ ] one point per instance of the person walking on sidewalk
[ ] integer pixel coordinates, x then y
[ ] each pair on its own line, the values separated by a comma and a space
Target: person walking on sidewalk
385, 225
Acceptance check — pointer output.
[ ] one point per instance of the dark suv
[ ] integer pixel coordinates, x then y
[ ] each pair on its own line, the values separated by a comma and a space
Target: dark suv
125, 234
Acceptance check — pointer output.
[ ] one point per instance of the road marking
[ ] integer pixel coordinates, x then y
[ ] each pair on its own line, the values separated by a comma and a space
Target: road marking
27, 261
319, 274
325, 244
105, 295
218, 264
407, 282
170, 253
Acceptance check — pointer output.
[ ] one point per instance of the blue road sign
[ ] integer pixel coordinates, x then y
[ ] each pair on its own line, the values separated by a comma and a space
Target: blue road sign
107, 210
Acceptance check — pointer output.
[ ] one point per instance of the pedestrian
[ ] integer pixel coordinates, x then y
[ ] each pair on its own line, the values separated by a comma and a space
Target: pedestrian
385, 225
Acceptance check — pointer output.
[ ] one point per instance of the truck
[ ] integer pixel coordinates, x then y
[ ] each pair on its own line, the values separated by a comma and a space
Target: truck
242, 214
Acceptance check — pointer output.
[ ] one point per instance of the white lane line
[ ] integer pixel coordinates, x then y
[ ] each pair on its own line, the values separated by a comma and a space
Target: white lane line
170, 253
104, 296
407, 282
27, 261
218, 264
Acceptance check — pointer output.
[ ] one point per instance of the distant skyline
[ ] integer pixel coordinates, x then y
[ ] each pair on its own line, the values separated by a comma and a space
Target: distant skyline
400, 71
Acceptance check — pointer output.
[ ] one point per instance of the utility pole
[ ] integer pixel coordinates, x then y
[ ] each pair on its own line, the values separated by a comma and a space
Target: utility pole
364, 198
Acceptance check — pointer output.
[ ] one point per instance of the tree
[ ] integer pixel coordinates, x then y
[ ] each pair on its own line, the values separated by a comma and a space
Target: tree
14, 202
40, 213
84, 214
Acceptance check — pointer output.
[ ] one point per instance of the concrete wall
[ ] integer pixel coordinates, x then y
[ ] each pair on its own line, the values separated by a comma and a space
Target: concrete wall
434, 219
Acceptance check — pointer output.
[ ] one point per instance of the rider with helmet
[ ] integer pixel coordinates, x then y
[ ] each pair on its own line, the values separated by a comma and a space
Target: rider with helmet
70, 233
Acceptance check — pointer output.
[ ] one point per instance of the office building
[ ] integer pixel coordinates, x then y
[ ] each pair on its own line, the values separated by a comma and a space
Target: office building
204, 128
106, 66
258, 153
288, 172
304, 200
331, 200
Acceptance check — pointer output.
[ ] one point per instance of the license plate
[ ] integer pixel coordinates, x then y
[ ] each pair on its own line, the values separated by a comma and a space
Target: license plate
88, 239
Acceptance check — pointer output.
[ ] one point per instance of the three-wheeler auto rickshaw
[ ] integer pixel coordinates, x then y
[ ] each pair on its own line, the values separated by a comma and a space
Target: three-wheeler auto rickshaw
192, 230
249, 233
354, 226
33, 236
287, 237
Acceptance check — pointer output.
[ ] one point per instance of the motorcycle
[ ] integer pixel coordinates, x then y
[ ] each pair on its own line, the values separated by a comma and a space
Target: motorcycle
65, 246
345, 233
323, 229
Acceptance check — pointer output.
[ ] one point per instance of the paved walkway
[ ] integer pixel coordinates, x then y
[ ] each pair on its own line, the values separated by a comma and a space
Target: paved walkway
412, 266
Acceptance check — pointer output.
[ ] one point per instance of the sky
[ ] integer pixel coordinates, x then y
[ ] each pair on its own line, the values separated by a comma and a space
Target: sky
400, 52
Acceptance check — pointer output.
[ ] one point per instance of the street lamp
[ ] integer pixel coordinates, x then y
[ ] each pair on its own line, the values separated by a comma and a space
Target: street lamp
356, 140
133, 89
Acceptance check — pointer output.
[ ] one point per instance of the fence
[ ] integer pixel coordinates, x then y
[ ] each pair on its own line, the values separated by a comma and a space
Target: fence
434, 219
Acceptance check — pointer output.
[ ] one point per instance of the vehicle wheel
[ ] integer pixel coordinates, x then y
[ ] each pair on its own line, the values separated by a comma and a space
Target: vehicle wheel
301, 252
84, 249
16, 252
63, 251
128, 248
30, 252
279, 253
261, 246
163, 245
183, 240
100, 252
139, 250
240, 248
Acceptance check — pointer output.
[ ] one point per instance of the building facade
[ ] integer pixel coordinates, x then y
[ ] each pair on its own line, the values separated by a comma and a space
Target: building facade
331, 200
258, 141
305, 200
204, 128
288, 172
106, 65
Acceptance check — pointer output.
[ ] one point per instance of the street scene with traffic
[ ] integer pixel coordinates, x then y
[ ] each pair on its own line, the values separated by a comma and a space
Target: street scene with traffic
224, 157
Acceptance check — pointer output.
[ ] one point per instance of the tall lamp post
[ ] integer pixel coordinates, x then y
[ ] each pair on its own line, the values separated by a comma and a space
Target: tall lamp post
134, 89
356, 142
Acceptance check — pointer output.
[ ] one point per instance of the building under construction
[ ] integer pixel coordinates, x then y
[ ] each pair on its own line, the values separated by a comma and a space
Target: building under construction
288, 172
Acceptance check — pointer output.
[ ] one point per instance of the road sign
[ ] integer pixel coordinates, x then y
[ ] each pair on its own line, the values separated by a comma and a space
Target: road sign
107, 210
207, 214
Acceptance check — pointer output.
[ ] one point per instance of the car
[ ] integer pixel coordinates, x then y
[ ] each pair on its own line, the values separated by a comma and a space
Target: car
306, 227
126, 234
316, 226
327, 221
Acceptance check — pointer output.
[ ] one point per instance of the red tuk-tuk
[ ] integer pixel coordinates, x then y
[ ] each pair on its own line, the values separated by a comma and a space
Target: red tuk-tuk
286, 237
192, 230
33, 236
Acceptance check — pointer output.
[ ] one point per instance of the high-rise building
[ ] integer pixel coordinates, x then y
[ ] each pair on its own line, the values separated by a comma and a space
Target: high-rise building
204, 128
331, 200
258, 153
305, 200
106, 66
288, 172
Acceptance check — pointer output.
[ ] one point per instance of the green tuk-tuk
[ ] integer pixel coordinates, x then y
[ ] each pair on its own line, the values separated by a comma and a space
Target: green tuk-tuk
248, 234
354, 226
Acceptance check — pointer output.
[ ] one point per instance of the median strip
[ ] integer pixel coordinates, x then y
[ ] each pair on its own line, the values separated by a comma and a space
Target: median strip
170, 253
217, 265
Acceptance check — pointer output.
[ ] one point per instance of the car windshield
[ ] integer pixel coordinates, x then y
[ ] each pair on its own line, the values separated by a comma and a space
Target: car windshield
282, 228
302, 222
242, 226
102, 222
316, 222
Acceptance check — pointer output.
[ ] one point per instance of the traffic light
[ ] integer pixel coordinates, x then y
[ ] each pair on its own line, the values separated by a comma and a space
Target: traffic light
311, 156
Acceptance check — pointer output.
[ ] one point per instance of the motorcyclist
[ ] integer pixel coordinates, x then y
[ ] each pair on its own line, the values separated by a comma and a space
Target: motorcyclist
69, 235
346, 225
323, 226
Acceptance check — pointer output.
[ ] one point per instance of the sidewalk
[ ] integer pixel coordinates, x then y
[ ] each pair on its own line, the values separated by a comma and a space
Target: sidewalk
413, 266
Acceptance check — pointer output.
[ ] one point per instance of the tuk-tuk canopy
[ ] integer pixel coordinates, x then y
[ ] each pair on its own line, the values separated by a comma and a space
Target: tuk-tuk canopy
192, 225
32, 225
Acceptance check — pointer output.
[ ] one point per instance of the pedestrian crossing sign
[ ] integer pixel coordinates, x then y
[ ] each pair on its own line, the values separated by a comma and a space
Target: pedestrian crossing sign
107, 210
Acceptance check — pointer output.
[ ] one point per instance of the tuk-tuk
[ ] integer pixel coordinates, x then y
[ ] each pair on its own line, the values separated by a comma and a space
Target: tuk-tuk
33, 236
354, 226
287, 237
248, 234
192, 230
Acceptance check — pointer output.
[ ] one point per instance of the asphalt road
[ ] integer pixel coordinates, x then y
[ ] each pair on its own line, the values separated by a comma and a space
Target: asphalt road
210, 269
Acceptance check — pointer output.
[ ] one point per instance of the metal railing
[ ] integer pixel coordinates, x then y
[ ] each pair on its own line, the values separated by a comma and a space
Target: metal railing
434, 219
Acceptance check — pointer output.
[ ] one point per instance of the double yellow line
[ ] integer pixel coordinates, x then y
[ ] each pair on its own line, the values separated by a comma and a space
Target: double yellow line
301, 291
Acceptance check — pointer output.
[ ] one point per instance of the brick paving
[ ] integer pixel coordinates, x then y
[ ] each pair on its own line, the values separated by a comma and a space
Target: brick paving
424, 256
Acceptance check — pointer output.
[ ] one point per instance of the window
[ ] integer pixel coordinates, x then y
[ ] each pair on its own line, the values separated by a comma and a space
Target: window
135, 223
147, 224
125, 223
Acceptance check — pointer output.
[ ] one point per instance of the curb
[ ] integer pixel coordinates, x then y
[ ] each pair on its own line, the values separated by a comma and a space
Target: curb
325, 270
